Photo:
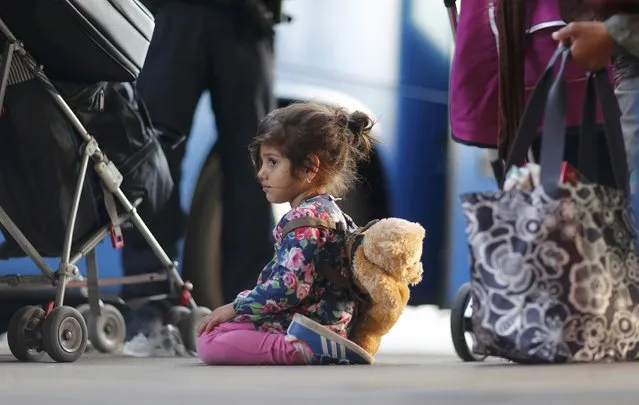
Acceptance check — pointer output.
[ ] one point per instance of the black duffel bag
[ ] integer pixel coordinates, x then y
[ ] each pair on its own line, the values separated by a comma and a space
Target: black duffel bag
40, 160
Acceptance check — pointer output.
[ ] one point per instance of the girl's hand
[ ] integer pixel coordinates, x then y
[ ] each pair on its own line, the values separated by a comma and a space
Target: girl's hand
219, 315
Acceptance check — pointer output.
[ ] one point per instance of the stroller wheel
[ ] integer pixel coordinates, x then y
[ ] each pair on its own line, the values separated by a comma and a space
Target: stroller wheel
85, 311
23, 334
64, 334
177, 316
460, 325
107, 332
189, 329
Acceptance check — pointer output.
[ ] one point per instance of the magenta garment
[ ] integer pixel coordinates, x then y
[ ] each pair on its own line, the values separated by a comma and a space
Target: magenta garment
474, 77
239, 343
475, 68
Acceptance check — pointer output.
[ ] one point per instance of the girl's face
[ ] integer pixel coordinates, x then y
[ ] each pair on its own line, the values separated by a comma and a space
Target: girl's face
278, 183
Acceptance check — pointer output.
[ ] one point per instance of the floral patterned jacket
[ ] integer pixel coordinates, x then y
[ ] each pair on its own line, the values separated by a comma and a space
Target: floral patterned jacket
290, 283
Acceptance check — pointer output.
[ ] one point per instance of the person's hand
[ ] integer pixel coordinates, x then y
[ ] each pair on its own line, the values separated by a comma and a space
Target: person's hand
219, 315
592, 46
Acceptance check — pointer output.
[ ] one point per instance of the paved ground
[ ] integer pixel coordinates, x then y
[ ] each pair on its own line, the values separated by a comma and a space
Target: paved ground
396, 379
98, 379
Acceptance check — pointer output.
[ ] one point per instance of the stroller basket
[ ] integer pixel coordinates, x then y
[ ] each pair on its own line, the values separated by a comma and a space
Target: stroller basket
59, 330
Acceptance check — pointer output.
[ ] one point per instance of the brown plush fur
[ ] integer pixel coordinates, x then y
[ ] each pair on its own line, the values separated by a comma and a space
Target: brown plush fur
386, 263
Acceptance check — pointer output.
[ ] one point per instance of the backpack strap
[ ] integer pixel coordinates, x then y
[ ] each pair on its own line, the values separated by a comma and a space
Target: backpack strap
354, 243
312, 222
332, 274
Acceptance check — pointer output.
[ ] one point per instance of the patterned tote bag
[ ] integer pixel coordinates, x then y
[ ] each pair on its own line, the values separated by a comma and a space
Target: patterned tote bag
554, 273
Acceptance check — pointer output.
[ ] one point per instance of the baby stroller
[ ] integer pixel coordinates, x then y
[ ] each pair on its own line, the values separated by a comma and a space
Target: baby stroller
85, 42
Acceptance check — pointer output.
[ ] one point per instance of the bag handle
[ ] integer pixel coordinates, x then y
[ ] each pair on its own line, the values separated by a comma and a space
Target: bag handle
553, 134
614, 134
534, 112
548, 101
597, 84
588, 135
553, 146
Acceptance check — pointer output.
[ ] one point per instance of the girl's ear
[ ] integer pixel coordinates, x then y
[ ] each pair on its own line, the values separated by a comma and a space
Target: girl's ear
313, 166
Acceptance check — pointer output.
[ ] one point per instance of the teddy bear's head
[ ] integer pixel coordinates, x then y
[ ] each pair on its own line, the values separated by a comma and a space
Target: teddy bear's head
395, 245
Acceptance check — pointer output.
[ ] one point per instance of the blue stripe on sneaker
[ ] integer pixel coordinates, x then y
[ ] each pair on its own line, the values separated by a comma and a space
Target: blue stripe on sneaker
317, 338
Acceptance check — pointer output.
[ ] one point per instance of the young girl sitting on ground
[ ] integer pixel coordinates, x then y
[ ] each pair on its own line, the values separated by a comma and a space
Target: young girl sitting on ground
304, 154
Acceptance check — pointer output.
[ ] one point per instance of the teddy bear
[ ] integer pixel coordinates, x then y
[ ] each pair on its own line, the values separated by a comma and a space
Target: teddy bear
385, 262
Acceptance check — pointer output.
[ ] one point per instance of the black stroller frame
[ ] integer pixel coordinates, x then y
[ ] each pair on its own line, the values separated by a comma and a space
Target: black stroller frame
461, 327
59, 330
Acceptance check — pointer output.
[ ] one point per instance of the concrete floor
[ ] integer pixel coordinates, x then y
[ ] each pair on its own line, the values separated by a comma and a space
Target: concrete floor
98, 379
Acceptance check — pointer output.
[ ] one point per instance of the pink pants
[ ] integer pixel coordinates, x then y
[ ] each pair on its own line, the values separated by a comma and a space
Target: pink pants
238, 343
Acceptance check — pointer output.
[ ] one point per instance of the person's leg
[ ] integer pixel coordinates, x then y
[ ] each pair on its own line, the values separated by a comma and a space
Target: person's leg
627, 92
170, 84
241, 94
235, 343
172, 79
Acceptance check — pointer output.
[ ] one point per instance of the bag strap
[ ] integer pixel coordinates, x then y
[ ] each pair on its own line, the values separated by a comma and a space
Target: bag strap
333, 274
549, 101
134, 96
533, 113
144, 112
553, 134
614, 134
588, 158
311, 222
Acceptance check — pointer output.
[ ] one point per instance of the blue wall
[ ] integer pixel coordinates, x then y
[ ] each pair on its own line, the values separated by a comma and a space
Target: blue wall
419, 177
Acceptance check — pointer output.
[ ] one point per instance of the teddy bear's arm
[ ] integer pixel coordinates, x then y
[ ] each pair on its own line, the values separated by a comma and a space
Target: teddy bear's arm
388, 300
377, 320
382, 288
387, 305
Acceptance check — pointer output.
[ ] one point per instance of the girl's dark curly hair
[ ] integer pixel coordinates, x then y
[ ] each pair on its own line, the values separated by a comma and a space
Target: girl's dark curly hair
340, 141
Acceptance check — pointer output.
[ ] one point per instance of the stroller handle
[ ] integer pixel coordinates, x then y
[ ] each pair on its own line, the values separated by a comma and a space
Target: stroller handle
451, 5
6, 32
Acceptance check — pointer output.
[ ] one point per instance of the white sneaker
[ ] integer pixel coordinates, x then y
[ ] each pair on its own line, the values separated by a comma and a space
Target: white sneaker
166, 343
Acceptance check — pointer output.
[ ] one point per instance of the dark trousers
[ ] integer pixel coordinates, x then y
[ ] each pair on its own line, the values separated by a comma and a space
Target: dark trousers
197, 48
